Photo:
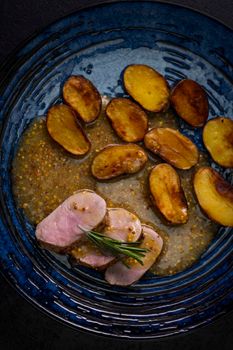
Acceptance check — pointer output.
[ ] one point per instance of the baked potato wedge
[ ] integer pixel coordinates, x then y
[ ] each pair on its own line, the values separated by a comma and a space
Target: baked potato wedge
62, 126
127, 119
83, 97
146, 86
190, 102
115, 160
218, 139
172, 146
215, 195
167, 193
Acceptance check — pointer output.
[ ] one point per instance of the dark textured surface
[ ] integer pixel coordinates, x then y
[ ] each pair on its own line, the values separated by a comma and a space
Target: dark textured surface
22, 324
19, 19
24, 327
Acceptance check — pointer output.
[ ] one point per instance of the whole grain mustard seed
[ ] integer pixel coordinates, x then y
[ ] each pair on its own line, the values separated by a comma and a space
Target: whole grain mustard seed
44, 175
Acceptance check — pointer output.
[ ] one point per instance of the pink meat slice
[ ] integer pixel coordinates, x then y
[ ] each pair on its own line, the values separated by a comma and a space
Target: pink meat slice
121, 275
119, 224
60, 229
123, 225
88, 254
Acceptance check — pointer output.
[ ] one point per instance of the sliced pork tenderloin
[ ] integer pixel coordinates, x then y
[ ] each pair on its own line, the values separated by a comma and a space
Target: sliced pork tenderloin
128, 271
88, 254
123, 225
63, 227
119, 224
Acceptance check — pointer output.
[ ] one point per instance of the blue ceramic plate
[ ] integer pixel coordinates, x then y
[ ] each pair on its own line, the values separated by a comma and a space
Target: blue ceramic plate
98, 43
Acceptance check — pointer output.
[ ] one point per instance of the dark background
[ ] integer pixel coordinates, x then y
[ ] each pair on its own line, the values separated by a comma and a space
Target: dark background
21, 324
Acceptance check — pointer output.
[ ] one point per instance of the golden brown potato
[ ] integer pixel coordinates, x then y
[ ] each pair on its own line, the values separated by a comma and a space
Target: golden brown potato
172, 146
147, 87
218, 139
64, 129
190, 102
215, 195
117, 160
83, 97
127, 119
167, 193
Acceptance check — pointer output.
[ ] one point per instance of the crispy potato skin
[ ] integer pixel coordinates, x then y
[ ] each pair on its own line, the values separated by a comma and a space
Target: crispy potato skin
83, 97
190, 101
117, 160
218, 139
127, 119
167, 193
215, 195
146, 86
64, 129
172, 146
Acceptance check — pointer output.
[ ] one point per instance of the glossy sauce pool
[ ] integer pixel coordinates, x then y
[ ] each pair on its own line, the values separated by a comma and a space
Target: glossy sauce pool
44, 175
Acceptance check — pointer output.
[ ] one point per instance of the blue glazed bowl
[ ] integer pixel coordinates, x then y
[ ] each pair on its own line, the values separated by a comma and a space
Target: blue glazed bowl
98, 43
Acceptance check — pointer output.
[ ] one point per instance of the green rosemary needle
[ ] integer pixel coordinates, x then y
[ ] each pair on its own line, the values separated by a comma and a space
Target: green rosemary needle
116, 247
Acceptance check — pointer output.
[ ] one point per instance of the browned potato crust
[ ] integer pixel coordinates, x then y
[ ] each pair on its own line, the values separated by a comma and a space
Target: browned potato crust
117, 160
215, 195
167, 193
190, 102
172, 146
146, 86
83, 97
64, 129
127, 119
218, 139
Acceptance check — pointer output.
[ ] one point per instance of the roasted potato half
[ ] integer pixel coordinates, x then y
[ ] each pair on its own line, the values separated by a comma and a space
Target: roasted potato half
167, 193
146, 86
117, 160
218, 139
63, 128
215, 195
172, 146
128, 119
190, 101
83, 97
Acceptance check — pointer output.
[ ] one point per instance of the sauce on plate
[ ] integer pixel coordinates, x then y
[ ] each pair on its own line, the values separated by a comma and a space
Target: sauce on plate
44, 175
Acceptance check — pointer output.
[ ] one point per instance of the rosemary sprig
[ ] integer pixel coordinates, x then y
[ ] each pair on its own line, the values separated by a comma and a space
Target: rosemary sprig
115, 246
